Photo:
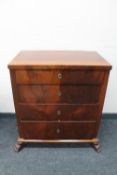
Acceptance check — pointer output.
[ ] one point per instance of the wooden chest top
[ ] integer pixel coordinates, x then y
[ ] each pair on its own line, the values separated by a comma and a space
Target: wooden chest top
59, 59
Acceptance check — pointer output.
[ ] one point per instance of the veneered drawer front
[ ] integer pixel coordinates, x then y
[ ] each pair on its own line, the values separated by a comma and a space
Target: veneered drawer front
59, 94
55, 130
59, 112
59, 77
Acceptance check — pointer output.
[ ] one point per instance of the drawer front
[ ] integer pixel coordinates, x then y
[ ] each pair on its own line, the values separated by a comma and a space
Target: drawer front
54, 130
59, 112
59, 94
59, 77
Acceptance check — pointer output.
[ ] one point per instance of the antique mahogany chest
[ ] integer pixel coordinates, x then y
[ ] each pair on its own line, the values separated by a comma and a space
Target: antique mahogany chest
59, 95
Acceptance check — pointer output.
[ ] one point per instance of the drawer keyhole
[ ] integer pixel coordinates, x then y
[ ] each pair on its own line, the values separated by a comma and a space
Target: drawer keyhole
59, 112
58, 131
60, 76
59, 93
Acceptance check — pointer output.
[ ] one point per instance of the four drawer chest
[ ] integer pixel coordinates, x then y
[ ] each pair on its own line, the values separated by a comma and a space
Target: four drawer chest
59, 96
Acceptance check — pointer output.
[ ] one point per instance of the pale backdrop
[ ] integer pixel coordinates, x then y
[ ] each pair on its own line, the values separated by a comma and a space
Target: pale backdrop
57, 24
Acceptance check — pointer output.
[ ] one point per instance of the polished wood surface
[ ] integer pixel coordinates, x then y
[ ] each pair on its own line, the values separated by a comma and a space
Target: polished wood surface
59, 59
58, 112
59, 77
59, 95
21, 140
57, 130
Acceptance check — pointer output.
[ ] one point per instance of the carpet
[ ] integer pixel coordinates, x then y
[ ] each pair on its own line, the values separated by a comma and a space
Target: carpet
58, 159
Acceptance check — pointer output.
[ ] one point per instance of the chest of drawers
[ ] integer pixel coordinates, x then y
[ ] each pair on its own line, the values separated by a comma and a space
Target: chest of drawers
58, 95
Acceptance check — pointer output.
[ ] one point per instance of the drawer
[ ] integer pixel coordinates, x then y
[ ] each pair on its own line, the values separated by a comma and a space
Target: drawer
59, 112
59, 94
55, 130
59, 77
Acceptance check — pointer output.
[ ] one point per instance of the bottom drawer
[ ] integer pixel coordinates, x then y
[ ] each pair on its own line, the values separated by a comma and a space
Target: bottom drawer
57, 130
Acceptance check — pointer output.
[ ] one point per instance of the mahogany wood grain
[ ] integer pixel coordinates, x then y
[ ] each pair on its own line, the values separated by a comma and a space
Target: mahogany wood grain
59, 94
21, 140
52, 77
59, 60
57, 130
102, 99
59, 112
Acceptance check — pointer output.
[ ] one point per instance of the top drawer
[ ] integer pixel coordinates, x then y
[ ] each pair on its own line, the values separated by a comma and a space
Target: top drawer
59, 77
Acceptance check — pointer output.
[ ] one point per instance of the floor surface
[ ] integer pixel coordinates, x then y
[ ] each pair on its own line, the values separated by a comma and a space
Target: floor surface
60, 159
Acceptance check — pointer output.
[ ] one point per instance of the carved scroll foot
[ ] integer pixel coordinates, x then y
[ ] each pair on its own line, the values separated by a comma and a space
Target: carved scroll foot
96, 145
18, 146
